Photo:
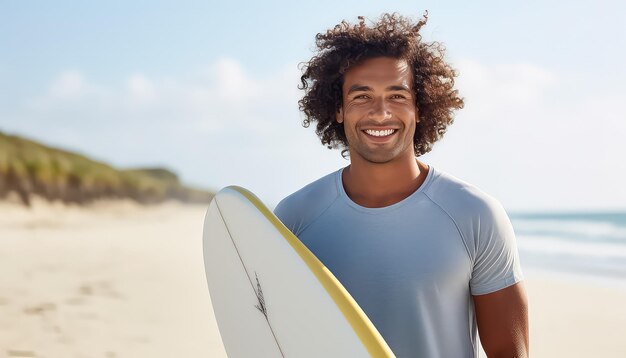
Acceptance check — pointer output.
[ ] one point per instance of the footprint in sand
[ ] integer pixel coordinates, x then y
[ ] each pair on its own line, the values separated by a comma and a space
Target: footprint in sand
75, 301
41, 308
20, 353
85, 289
100, 288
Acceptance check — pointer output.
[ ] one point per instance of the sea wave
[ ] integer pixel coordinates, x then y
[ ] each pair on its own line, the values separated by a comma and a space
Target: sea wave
583, 229
559, 246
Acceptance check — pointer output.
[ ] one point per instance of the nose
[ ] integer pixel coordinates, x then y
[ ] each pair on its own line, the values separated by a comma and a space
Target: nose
379, 111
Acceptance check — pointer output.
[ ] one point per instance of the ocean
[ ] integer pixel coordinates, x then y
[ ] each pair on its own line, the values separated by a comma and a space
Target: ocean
591, 246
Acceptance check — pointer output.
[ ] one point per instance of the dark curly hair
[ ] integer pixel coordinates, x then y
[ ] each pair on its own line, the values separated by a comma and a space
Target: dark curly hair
394, 36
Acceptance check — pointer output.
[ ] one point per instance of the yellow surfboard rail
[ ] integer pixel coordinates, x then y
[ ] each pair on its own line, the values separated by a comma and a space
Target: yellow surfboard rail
362, 326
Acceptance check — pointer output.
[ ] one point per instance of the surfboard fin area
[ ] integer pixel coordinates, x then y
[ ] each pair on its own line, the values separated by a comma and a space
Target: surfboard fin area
253, 265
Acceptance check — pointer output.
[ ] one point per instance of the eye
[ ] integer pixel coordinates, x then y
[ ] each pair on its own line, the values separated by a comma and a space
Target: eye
397, 96
360, 96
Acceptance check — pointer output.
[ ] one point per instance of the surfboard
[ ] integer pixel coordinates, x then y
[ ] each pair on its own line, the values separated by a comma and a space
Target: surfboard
271, 296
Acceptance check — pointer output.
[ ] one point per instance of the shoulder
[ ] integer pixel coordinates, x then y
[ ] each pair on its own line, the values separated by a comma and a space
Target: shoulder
302, 207
460, 199
486, 231
480, 218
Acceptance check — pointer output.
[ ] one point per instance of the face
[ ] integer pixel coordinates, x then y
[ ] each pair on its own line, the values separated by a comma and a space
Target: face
378, 110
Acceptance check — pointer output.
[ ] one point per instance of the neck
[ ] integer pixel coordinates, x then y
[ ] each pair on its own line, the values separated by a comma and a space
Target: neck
378, 185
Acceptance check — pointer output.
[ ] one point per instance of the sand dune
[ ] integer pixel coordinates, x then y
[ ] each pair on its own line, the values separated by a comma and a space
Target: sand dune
122, 280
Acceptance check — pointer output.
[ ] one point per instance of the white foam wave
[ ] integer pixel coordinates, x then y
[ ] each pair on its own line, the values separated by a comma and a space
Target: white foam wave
554, 245
591, 229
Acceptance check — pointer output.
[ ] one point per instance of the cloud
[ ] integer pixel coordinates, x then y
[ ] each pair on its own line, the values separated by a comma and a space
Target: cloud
222, 98
141, 89
531, 138
232, 82
68, 85
528, 135
216, 126
491, 91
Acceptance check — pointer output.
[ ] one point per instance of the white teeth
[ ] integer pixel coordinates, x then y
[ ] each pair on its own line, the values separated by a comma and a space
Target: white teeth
379, 133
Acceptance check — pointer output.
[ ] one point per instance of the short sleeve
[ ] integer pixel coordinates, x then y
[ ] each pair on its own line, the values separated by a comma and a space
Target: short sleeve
283, 214
301, 208
496, 263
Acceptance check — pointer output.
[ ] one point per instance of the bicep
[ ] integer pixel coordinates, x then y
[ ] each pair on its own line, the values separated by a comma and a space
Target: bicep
502, 319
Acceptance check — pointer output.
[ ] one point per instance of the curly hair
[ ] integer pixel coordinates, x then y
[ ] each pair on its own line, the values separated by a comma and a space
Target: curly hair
393, 36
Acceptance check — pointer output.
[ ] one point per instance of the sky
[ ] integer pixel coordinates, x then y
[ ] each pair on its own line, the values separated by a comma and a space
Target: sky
209, 90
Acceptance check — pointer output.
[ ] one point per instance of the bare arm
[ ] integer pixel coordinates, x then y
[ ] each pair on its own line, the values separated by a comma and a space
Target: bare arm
502, 318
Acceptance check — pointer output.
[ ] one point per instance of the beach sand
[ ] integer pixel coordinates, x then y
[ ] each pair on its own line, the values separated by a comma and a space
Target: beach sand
113, 280
570, 319
117, 279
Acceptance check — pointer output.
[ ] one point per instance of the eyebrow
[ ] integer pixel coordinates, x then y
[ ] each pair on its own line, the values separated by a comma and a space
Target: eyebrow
357, 87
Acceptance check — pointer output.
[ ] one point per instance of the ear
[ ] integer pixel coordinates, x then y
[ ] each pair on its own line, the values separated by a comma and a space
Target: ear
339, 115
417, 115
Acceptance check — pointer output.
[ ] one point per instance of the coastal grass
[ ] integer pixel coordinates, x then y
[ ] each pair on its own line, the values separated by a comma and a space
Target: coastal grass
30, 168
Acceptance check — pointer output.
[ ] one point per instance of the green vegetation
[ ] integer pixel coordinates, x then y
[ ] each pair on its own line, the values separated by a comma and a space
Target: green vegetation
30, 168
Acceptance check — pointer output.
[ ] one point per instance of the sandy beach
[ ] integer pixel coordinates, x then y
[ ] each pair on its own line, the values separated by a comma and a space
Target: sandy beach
117, 279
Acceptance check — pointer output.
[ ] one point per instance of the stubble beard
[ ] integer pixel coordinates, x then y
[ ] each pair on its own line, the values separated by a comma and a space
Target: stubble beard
377, 155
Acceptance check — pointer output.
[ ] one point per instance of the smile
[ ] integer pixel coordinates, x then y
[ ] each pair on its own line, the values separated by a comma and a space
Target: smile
383, 133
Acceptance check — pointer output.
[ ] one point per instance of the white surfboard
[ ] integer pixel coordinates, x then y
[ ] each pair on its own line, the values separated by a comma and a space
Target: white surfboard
271, 296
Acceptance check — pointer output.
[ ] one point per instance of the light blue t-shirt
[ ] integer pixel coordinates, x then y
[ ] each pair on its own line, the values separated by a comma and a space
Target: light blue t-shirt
412, 266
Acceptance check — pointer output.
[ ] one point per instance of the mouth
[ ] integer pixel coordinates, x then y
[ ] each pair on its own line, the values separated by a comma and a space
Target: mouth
379, 135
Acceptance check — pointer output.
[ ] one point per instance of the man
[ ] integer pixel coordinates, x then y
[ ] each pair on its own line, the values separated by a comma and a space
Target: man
429, 258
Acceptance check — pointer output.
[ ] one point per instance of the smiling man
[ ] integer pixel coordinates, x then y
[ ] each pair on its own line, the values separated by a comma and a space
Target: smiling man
431, 259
